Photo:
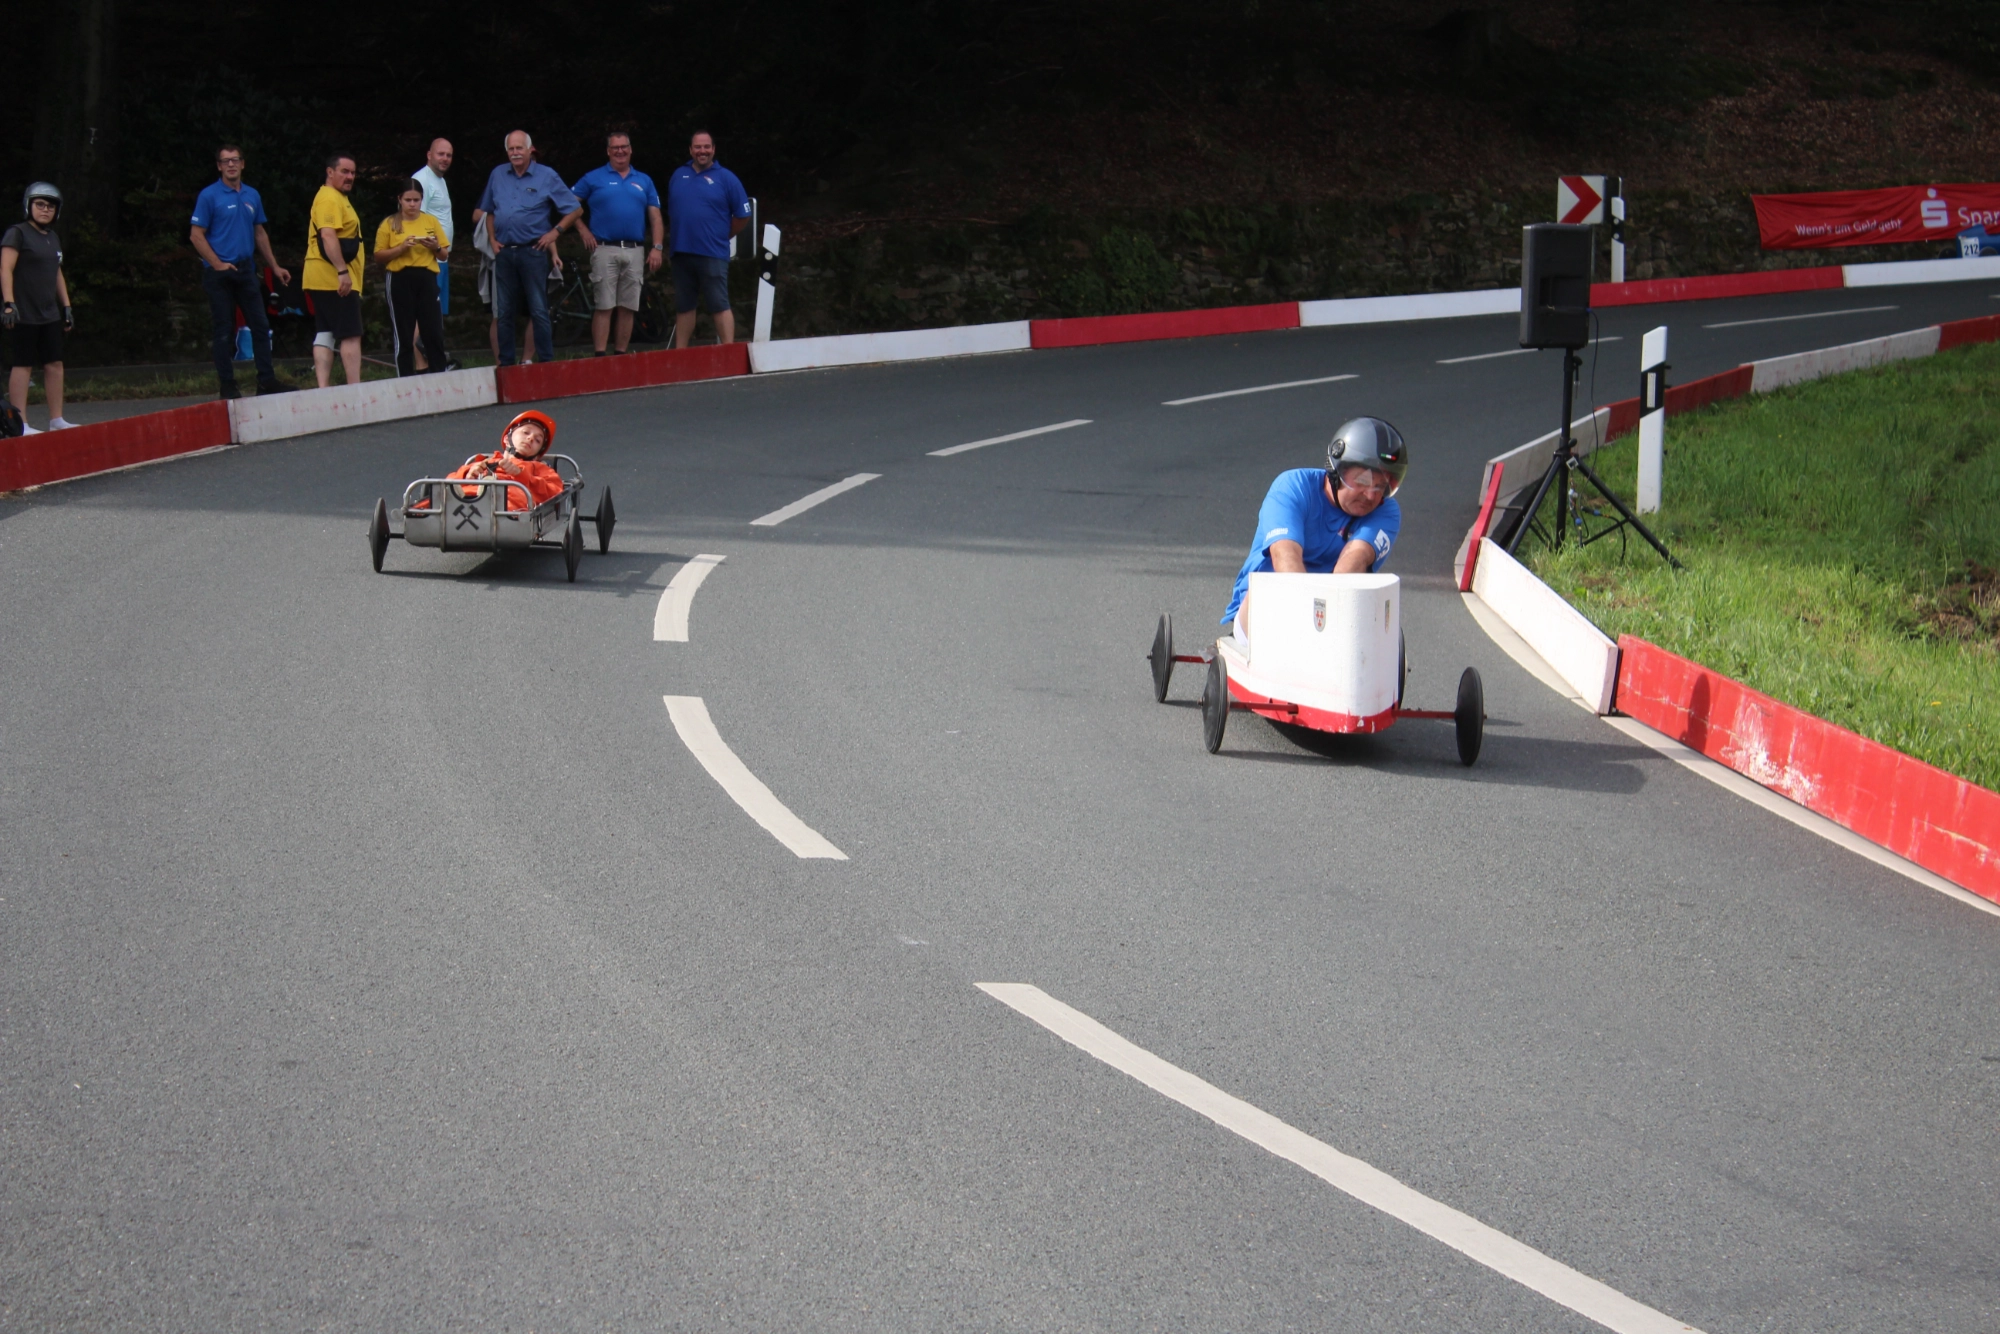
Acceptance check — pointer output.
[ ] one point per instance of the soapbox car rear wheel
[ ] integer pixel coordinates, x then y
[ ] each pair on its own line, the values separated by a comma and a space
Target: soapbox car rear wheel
572, 543
378, 533
1215, 705
1470, 716
607, 519
1162, 658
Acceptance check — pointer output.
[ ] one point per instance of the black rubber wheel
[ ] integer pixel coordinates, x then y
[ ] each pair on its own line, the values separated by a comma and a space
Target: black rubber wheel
573, 544
1470, 716
378, 533
1215, 705
1162, 658
607, 519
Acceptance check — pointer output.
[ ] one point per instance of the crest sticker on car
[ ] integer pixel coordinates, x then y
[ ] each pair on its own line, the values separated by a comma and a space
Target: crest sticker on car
1319, 613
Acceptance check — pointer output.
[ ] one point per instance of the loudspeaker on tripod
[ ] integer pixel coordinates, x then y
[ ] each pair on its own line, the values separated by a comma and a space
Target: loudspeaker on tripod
1557, 261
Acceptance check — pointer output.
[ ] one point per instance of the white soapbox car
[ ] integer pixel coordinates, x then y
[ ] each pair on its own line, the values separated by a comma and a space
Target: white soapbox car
1326, 652
454, 514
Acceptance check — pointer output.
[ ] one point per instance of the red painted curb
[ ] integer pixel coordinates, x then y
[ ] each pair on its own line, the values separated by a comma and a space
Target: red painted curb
56, 456
1937, 820
1709, 389
1964, 333
1092, 330
635, 370
1716, 286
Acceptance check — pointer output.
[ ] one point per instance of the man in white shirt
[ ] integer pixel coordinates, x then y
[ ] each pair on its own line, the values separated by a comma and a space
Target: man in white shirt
437, 203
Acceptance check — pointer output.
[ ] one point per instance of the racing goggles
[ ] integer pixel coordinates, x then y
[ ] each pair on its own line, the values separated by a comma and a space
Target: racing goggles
1360, 477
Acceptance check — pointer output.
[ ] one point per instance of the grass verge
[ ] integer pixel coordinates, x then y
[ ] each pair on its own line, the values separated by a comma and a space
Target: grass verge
1841, 539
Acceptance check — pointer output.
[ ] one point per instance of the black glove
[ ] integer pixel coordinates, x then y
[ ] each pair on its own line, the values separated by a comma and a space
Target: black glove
69, 318
8, 315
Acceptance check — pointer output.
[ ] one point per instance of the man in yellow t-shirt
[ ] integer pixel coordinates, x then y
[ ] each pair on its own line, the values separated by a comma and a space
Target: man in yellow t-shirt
335, 235
409, 244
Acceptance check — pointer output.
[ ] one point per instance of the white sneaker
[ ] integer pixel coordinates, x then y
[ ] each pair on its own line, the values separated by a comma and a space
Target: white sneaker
28, 430
60, 424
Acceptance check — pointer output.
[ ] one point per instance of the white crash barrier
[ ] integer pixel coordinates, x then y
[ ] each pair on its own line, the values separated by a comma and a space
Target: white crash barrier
1423, 306
1325, 641
305, 411
1579, 652
1525, 464
796, 354
1777, 372
1895, 272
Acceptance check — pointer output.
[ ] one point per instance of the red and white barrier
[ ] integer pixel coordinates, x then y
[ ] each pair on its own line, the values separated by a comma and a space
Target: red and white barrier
635, 370
1581, 654
57, 456
1777, 372
1424, 306
965, 340
308, 412
1094, 330
1941, 822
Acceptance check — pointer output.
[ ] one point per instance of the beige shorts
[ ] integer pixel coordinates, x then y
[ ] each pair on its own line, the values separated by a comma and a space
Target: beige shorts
616, 275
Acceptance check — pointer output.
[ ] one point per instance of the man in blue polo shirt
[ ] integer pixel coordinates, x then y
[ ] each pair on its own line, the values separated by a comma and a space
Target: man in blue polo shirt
705, 207
530, 208
1340, 519
624, 210
228, 233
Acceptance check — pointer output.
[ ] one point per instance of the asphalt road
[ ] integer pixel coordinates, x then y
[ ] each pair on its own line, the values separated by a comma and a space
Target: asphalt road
374, 955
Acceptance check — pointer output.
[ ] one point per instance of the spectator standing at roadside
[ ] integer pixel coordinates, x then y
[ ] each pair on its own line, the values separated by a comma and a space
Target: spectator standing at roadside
227, 231
437, 203
530, 208
706, 206
333, 267
410, 244
624, 217
34, 302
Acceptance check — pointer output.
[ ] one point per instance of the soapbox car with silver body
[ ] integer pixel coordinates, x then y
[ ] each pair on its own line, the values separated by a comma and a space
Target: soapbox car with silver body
456, 514
1325, 652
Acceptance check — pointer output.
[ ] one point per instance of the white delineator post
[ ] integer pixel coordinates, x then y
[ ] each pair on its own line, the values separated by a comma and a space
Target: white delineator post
1618, 230
767, 291
1652, 417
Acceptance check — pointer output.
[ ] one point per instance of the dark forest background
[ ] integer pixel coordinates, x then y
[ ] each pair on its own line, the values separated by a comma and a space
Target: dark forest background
935, 163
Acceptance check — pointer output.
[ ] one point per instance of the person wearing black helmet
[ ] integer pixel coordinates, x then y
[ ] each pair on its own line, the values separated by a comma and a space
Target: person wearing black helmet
1341, 519
34, 302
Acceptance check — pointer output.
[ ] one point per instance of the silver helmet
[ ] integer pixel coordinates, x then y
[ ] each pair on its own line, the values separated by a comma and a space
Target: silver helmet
1371, 443
40, 190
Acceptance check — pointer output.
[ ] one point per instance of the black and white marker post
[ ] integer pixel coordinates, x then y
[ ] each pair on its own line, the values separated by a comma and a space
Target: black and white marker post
767, 283
1652, 418
1615, 189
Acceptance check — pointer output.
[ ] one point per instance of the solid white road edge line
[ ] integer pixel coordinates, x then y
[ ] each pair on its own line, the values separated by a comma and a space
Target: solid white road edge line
670, 622
1254, 389
1372, 1186
1787, 319
1719, 774
1003, 439
698, 733
804, 503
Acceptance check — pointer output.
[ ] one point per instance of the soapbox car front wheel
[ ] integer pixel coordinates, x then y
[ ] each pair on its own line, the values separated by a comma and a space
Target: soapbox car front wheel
1162, 658
1215, 705
607, 519
1470, 716
572, 544
378, 533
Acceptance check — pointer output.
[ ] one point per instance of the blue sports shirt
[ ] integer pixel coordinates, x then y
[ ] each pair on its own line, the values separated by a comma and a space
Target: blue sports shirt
700, 208
231, 219
1296, 510
519, 205
617, 203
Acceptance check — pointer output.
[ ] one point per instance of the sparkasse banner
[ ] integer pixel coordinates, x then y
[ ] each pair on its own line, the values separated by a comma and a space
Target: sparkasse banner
1874, 217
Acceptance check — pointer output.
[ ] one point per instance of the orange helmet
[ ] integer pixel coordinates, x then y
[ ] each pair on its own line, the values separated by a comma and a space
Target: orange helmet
541, 419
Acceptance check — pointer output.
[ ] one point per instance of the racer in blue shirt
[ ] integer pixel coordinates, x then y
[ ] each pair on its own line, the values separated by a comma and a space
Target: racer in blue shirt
1342, 519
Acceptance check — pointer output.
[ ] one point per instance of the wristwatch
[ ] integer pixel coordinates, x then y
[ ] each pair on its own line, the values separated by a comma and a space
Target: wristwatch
659, 247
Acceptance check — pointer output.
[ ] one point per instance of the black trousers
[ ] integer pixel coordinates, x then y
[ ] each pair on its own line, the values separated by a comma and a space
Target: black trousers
228, 292
413, 312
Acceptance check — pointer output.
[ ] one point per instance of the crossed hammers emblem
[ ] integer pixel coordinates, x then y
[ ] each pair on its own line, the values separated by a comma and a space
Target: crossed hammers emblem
468, 516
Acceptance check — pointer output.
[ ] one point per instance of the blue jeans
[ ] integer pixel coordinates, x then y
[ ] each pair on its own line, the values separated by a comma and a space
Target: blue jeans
521, 279
228, 292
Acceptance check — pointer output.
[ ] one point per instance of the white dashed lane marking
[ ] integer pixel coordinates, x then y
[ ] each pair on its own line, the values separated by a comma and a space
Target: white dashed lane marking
1254, 389
804, 503
1372, 1186
670, 622
1003, 439
698, 733
1787, 319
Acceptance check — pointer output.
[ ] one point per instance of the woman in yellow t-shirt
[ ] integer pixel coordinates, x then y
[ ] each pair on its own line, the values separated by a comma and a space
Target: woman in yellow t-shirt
332, 235
409, 244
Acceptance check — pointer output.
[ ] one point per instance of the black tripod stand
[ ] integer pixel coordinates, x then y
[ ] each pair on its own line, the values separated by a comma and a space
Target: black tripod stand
1566, 461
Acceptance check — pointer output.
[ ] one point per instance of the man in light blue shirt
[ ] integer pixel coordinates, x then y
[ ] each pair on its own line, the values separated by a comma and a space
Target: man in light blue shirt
529, 207
624, 210
227, 231
437, 203
706, 206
